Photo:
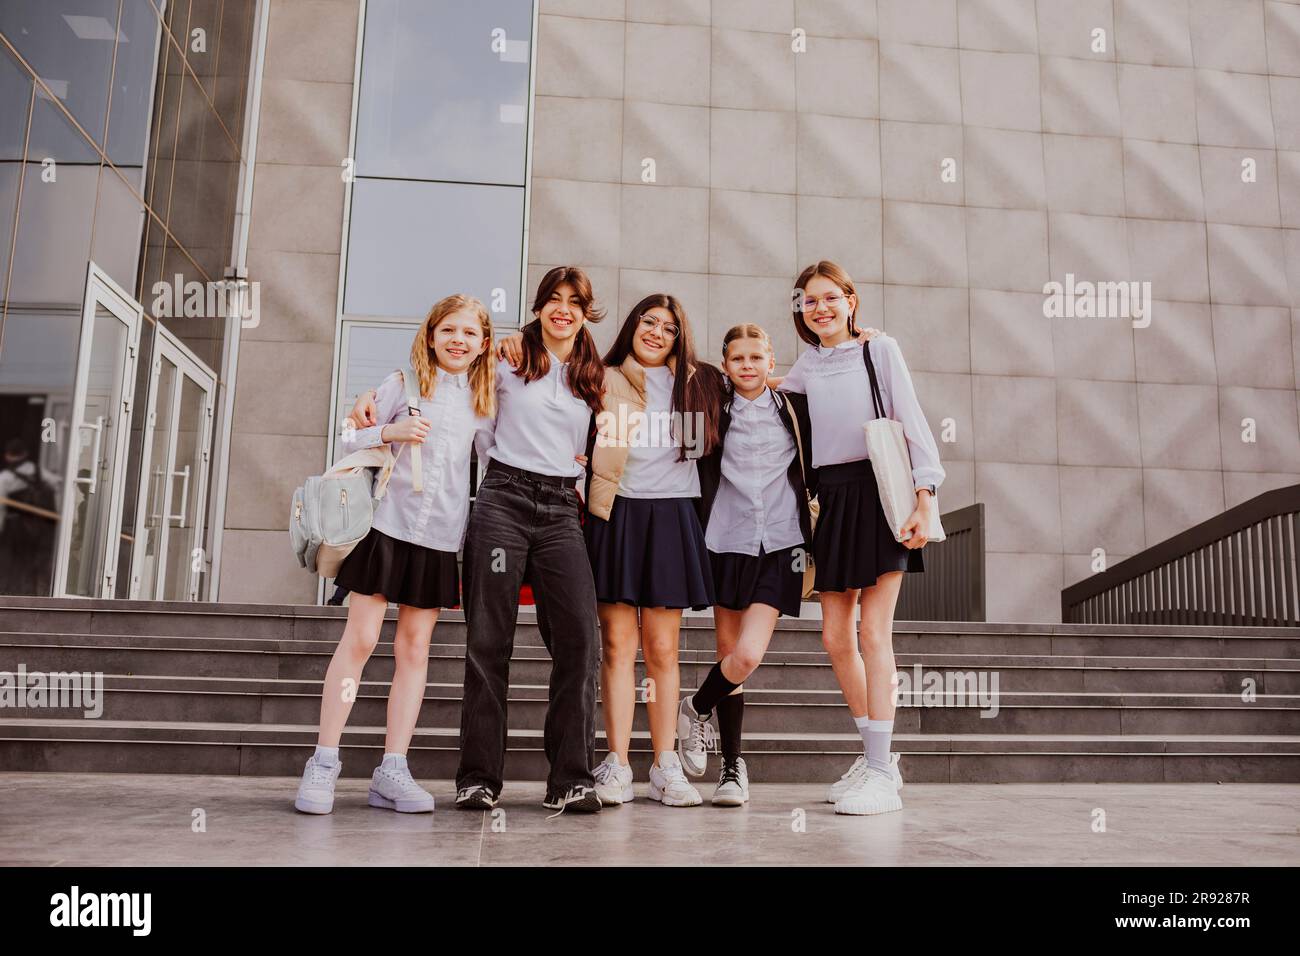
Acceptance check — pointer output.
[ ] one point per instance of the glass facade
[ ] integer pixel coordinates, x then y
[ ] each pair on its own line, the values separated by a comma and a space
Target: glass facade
441, 157
121, 124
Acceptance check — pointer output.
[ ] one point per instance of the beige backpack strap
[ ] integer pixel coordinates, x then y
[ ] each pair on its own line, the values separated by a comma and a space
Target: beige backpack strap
412, 382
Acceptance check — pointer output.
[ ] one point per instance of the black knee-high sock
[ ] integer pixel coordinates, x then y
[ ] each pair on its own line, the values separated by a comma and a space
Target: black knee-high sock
714, 688
731, 714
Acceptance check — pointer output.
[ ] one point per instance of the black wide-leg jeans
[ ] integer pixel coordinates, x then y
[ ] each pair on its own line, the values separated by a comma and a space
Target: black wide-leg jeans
519, 525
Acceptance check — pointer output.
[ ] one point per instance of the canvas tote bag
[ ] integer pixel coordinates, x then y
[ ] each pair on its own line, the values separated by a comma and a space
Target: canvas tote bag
892, 464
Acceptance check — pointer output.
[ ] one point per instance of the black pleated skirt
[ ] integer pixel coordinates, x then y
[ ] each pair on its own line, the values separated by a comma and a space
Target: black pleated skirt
774, 579
401, 572
852, 544
650, 553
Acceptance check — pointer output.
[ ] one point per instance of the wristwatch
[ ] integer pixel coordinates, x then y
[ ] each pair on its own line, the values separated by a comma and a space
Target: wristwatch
930, 488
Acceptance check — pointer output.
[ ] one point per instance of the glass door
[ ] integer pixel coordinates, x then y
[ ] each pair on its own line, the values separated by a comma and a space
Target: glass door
91, 506
168, 558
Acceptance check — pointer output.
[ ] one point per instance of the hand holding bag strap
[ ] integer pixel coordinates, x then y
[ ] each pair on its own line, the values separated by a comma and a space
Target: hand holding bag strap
876, 400
412, 382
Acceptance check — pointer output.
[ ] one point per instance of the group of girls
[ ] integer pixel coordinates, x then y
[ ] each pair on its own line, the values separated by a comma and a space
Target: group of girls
699, 492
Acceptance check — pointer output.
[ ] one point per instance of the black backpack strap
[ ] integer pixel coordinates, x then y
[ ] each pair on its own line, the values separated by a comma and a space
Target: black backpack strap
876, 400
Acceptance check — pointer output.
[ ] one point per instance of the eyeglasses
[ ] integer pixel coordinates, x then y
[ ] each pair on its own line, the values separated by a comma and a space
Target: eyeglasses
832, 300
653, 322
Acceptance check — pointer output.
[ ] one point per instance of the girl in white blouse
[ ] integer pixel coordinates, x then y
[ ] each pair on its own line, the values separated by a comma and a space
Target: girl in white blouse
759, 535
409, 556
857, 559
644, 533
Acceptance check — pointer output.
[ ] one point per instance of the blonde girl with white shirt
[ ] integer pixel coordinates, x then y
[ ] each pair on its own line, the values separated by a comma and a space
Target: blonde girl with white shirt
409, 556
858, 561
759, 536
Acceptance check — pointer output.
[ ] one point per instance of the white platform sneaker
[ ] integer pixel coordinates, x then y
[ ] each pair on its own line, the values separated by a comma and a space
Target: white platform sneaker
856, 773
393, 788
613, 782
316, 791
875, 792
668, 784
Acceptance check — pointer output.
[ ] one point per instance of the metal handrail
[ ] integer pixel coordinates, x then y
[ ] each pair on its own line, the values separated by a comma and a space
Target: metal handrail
1236, 568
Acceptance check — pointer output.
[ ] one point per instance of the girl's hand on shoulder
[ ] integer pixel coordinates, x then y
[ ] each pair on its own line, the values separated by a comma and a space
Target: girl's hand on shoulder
413, 430
867, 334
365, 413
511, 348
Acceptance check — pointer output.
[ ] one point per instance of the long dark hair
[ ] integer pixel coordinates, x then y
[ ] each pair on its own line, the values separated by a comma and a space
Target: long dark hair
586, 373
692, 392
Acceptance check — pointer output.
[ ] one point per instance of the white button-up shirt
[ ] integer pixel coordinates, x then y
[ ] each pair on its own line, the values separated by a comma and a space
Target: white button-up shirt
839, 403
654, 468
755, 504
435, 518
541, 426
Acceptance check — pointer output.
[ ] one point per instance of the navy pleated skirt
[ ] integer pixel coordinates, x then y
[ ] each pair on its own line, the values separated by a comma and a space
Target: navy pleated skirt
650, 553
852, 544
774, 579
401, 572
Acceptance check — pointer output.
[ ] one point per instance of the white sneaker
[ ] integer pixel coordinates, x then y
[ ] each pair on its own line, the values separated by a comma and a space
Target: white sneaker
695, 734
875, 792
316, 791
393, 788
613, 781
733, 785
668, 784
856, 773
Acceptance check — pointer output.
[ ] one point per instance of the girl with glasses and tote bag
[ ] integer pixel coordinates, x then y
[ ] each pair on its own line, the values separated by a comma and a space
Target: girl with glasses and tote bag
433, 411
855, 391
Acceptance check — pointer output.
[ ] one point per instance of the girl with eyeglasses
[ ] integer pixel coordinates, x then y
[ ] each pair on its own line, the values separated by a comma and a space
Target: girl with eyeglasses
857, 559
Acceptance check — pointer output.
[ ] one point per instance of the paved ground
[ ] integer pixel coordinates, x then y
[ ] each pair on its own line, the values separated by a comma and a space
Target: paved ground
139, 819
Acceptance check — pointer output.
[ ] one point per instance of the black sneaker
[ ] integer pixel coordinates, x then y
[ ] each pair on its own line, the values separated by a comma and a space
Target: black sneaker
579, 799
475, 798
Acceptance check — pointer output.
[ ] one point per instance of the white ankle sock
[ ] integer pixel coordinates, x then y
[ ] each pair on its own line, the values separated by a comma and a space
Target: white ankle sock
396, 761
327, 755
877, 737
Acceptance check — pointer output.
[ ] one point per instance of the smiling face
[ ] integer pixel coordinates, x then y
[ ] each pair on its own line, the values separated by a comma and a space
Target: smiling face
748, 362
656, 333
457, 340
826, 310
562, 315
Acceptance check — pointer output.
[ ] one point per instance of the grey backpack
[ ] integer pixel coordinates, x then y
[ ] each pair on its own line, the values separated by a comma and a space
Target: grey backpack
331, 513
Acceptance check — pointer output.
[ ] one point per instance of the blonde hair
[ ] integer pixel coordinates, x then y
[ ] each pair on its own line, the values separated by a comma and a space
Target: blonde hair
746, 330
482, 371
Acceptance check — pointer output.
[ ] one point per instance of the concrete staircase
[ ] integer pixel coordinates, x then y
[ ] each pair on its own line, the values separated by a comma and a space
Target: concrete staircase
234, 689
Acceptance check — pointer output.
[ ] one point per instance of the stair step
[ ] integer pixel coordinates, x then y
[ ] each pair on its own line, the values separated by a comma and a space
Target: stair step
279, 750
218, 688
251, 658
279, 701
